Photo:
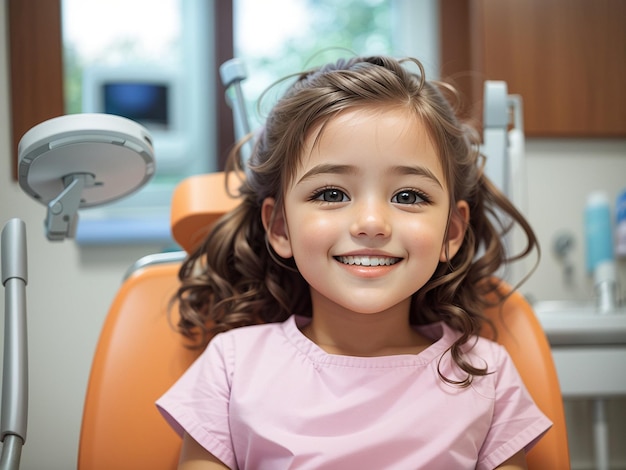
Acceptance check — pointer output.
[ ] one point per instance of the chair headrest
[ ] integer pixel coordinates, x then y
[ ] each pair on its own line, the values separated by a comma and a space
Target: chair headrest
197, 203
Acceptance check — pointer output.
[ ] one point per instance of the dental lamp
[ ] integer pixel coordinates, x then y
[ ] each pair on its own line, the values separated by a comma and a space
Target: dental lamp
80, 161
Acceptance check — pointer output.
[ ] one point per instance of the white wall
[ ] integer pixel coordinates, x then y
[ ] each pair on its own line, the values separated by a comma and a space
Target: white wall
70, 288
561, 174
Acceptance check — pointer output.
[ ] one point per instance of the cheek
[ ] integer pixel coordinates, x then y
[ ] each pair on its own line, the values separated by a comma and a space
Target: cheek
310, 231
425, 237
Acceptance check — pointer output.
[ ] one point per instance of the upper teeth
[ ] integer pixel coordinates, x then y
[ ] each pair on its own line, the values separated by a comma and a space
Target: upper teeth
368, 260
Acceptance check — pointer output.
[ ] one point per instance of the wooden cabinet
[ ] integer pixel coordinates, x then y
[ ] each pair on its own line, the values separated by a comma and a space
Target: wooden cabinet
566, 58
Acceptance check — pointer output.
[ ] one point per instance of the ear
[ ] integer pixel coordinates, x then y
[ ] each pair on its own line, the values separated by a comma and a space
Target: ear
456, 231
276, 228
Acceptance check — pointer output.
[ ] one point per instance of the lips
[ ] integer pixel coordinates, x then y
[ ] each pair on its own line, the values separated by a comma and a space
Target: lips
367, 260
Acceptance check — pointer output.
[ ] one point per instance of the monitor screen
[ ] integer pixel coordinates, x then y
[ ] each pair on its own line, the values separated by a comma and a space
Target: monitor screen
146, 103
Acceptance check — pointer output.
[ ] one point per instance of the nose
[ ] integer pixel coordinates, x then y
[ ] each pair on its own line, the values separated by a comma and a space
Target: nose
371, 219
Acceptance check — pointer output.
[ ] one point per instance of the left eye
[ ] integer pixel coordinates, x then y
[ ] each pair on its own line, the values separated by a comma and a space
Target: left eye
331, 195
407, 197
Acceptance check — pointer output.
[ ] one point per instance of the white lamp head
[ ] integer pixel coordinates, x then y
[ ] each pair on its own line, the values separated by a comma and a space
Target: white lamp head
83, 160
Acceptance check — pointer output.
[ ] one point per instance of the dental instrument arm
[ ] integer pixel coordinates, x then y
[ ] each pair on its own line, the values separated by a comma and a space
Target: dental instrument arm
15, 361
503, 147
233, 72
495, 138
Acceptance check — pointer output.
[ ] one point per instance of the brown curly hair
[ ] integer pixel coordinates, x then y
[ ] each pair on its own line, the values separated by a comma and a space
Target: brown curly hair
234, 279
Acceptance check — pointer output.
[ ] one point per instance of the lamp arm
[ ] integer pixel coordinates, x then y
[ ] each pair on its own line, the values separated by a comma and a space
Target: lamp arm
62, 216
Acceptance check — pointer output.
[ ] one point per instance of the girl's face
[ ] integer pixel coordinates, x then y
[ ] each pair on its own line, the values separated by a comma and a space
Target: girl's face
365, 217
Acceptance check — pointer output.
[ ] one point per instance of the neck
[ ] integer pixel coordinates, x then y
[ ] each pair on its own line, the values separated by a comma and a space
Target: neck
343, 332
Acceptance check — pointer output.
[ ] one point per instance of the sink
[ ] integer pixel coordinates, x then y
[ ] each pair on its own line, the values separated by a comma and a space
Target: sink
578, 323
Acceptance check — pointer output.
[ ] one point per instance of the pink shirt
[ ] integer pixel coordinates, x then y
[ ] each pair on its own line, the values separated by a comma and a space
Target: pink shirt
266, 397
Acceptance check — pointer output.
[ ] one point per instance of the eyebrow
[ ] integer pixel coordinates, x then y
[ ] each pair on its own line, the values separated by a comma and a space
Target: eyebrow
418, 171
329, 168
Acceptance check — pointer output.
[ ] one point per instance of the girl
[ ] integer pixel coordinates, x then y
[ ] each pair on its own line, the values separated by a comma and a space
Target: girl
358, 262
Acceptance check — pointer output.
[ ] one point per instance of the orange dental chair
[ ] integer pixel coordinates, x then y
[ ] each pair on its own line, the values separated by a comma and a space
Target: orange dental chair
139, 355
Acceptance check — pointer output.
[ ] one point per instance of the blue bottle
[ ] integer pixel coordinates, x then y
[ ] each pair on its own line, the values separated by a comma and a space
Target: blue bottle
598, 230
620, 225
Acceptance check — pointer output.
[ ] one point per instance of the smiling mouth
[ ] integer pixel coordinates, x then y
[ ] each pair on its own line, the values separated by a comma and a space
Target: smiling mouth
367, 260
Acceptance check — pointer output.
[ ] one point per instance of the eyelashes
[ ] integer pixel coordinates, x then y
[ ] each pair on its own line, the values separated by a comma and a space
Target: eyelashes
329, 194
410, 196
403, 197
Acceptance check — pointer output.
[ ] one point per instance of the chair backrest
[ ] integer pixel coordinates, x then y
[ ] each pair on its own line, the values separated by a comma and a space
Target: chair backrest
139, 355
520, 332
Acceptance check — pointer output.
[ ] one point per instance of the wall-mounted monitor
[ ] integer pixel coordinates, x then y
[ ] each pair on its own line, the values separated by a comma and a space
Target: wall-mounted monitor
144, 102
151, 96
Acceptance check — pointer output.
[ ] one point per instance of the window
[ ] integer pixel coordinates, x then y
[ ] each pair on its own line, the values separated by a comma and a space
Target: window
112, 47
276, 38
153, 69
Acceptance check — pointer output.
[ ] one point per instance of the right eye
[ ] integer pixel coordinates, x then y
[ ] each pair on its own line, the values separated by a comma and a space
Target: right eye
330, 195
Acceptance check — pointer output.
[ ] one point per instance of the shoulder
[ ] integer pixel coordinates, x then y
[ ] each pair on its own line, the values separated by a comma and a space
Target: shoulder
492, 352
477, 349
481, 353
248, 344
250, 335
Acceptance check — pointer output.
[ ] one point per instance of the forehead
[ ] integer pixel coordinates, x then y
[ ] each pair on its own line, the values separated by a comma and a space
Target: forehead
377, 136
